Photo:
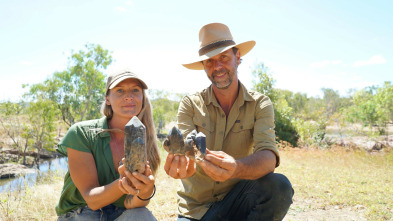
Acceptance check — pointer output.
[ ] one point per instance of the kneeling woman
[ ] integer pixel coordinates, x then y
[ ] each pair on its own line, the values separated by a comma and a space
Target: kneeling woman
97, 186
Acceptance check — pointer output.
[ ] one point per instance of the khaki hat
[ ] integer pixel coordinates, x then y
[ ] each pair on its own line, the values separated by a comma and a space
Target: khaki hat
118, 76
216, 38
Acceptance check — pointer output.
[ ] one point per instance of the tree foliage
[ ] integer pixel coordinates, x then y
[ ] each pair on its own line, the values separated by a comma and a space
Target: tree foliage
79, 90
264, 82
372, 107
42, 115
72, 95
164, 108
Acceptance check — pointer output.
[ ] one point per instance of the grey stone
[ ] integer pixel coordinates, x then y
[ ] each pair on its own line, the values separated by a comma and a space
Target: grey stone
200, 143
9, 170
135, 146
174, 143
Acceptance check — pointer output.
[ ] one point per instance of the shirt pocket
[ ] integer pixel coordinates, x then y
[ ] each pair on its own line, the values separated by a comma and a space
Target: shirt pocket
203, 125
240, 140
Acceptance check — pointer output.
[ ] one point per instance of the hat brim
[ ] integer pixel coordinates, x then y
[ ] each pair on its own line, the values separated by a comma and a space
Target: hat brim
244, 48
117, 81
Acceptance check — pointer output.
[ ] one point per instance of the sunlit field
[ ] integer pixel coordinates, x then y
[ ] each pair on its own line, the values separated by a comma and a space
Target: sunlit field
322, 179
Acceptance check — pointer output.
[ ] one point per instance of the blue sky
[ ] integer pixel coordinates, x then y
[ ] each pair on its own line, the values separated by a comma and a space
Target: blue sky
307, 45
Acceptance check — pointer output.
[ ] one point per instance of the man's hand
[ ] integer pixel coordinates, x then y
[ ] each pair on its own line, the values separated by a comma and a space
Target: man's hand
179, 166
218, 165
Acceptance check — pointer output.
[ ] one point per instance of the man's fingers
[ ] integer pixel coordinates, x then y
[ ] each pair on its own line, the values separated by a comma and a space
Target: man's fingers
210, 168
191, 167
173, 169
168, 163
182, 167
214, 172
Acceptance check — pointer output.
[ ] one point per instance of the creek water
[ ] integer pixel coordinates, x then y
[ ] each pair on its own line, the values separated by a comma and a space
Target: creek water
46, 169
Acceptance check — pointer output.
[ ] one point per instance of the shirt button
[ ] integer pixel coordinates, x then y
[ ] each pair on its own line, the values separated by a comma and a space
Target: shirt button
223, 115
203, 125
241, 127
217, 182
221, 133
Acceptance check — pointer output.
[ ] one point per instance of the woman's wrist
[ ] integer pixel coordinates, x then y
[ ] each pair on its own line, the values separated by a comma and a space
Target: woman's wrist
146, 198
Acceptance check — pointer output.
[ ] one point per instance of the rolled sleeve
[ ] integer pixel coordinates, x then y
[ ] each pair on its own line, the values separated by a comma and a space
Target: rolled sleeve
264, 134
76, 138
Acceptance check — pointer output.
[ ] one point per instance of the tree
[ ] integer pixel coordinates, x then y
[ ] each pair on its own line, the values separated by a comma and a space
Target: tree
264, 82
12, 123
331, 100
164, 109
42, 116
79, 90
384, 101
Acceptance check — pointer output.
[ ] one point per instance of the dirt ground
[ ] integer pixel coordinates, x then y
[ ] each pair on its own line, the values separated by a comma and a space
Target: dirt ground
307, 210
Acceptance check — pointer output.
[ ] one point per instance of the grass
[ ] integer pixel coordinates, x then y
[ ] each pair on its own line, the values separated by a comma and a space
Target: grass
324, 178
342, 178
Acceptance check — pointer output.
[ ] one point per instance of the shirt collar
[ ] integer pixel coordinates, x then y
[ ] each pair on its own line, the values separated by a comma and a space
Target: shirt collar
243, 95
103, 123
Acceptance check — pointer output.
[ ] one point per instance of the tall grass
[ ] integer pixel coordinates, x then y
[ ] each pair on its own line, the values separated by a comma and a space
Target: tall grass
321, 178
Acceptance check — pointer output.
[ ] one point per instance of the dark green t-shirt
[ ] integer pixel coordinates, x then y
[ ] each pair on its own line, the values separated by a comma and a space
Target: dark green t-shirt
87, 136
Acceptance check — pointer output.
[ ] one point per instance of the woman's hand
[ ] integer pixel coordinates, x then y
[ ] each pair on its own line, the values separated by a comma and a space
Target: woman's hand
136, 184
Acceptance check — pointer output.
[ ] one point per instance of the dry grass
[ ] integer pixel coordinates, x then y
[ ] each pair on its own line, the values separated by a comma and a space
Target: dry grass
325, 178
340, 178
35, 203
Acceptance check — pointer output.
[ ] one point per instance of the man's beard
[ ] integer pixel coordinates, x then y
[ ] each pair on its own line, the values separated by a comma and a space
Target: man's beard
227, 82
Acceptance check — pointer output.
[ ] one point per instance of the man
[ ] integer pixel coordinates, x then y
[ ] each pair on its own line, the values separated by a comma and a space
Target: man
235, 181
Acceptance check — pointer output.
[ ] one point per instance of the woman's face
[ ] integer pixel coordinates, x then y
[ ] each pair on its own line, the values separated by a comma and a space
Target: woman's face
126, 98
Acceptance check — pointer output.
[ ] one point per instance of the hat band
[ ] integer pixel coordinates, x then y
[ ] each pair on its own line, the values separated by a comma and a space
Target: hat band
215, 45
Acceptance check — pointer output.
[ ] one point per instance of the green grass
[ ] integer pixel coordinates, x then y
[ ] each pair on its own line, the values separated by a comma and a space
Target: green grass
323, 178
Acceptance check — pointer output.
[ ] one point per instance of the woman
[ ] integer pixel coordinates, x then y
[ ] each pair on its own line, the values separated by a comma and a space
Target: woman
97, 186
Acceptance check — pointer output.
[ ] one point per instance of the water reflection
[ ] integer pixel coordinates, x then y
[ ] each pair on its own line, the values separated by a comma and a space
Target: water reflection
45, 170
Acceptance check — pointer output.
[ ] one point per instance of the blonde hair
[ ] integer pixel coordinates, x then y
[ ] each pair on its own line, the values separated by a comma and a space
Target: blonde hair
146, 117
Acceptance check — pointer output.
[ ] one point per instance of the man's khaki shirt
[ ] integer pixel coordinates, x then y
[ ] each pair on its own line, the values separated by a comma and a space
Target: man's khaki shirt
249, 128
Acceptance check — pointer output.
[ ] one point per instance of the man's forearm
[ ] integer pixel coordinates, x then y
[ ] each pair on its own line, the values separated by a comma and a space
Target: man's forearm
256, 165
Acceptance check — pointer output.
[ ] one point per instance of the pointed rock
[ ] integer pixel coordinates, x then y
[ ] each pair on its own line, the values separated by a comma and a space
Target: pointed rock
135, 146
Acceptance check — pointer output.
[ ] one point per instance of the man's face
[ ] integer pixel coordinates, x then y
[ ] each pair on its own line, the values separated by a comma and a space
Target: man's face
222, 68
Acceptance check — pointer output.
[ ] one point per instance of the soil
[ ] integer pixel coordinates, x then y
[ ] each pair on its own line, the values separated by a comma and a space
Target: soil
304, 209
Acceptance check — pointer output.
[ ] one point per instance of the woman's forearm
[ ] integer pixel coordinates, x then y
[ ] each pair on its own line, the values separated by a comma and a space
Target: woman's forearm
98, 197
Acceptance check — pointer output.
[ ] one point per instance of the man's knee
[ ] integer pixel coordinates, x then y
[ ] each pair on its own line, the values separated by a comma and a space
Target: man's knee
279, 185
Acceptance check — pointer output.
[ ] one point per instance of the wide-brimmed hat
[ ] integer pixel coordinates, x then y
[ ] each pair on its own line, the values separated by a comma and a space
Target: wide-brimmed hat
120, 75
216, 38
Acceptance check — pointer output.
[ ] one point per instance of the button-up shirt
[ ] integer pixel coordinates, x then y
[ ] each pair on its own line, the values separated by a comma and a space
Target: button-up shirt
248, 128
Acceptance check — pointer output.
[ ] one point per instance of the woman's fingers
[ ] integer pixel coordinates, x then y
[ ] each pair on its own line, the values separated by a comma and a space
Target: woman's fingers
126, 188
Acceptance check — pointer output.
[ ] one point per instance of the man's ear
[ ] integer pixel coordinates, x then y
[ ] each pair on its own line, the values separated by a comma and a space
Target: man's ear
107, 100
238, 59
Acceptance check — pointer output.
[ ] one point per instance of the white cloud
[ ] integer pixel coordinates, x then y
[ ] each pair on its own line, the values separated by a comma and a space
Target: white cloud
128, 2
324, 63
121, 9
376, 59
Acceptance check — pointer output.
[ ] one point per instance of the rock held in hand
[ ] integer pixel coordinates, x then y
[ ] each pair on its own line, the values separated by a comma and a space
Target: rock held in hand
135, 146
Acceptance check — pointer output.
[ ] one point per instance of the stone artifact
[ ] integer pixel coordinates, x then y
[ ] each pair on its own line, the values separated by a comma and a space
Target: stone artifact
193, 146
200, 143
174, 142
135, 146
